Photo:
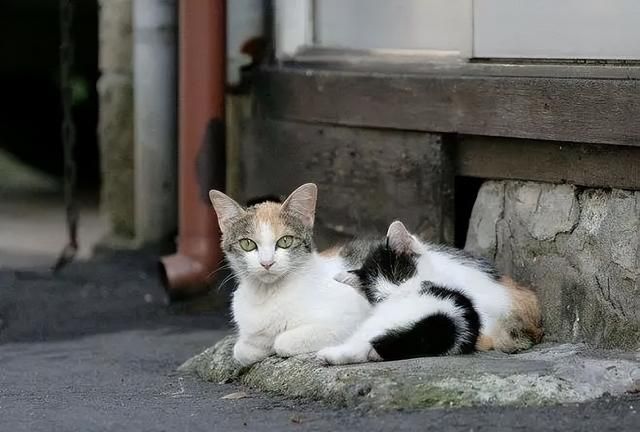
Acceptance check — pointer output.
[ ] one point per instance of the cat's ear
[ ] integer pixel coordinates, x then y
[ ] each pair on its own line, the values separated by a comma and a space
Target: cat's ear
302, 203
226, 209
348, 278
400, 240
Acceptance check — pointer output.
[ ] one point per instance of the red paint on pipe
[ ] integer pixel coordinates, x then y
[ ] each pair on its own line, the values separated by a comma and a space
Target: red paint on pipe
201, 104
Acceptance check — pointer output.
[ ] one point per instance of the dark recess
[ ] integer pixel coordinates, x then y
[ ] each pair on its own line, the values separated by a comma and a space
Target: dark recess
30, 111
465, 196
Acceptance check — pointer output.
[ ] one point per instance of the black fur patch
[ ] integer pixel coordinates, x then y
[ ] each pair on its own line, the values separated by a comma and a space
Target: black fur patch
356, 251
383, 262
433, 335
466, 258
264, 198
470, 315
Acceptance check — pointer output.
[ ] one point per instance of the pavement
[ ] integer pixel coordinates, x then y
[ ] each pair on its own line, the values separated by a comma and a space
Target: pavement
32, 217
97, 346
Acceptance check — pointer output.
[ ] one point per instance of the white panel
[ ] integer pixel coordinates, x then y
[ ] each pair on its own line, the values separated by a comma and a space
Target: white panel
395, 24
607, 29
294, 29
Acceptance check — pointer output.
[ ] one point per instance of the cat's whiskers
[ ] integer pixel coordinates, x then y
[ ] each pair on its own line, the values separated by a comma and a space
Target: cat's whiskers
220, 268
224, 281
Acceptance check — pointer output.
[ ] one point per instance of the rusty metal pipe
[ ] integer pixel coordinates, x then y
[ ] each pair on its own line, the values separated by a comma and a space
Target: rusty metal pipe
202, 68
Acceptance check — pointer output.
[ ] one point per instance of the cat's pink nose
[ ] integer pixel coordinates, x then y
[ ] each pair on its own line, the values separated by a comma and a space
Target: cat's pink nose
266, 264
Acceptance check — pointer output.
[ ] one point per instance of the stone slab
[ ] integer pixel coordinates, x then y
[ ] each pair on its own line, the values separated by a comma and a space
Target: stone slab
548, 374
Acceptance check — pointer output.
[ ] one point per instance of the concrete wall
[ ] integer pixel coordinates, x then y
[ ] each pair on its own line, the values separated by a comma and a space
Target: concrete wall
579, 247
115, 127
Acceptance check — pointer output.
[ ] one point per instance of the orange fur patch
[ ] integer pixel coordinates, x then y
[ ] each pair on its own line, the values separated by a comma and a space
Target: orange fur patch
484, 343
526, 308
268, 213
522, 328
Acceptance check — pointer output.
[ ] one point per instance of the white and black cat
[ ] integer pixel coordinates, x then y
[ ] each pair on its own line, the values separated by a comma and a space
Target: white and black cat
430, 300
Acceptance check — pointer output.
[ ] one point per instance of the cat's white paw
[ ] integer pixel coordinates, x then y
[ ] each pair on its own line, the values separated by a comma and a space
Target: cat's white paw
344, 354
247, 354
302, 340
290, 344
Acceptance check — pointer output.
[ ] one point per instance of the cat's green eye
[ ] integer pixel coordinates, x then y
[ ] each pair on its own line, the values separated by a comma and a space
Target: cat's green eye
285, 242
247, 245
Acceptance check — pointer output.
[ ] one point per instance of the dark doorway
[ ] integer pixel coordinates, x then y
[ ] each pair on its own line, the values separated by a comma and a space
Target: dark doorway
30, 108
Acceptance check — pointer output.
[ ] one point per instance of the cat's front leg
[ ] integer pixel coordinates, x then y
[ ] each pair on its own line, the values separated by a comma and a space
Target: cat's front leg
348, 353
304, 339
358, 348
247, 352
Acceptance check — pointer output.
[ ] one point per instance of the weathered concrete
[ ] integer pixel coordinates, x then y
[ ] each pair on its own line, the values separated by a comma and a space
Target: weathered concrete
115, 126
115, 36
366, 177
238, 115
547, 375
579, 247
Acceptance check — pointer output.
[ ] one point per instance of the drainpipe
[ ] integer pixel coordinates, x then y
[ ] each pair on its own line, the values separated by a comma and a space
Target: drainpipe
201, 145
154, 57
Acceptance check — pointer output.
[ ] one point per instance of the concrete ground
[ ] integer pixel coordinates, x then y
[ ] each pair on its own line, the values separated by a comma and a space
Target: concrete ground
32, 217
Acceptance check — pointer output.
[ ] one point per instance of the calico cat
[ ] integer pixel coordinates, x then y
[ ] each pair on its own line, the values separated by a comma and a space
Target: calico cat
431, 300
287, 301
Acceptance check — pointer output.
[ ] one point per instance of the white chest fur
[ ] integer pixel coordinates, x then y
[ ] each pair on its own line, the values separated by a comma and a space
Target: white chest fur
302, 313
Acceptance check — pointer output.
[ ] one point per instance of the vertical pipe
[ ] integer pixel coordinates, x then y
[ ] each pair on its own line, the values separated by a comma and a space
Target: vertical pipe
202, 144
154, 59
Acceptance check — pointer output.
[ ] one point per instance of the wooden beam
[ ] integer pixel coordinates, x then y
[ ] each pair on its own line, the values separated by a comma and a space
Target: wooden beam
589, 110
555, 162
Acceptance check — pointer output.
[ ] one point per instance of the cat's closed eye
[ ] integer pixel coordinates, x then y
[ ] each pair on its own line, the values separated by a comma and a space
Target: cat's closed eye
247, 245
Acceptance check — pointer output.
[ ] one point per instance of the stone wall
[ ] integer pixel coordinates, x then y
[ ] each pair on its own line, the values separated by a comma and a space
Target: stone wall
579, 247
115, 128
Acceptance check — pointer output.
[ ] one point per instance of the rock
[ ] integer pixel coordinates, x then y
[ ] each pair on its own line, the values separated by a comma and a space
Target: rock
579, 247
487, 211
548, 374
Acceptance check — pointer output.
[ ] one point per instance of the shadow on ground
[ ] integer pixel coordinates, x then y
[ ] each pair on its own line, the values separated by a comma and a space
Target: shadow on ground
112, 293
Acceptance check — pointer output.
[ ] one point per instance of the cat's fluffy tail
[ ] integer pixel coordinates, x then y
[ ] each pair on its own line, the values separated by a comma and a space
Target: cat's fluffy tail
522, 328
452, 330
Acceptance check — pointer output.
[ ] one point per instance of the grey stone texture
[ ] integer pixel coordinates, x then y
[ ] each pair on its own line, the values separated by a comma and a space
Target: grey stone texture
580, 248
548, 374
115, 126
